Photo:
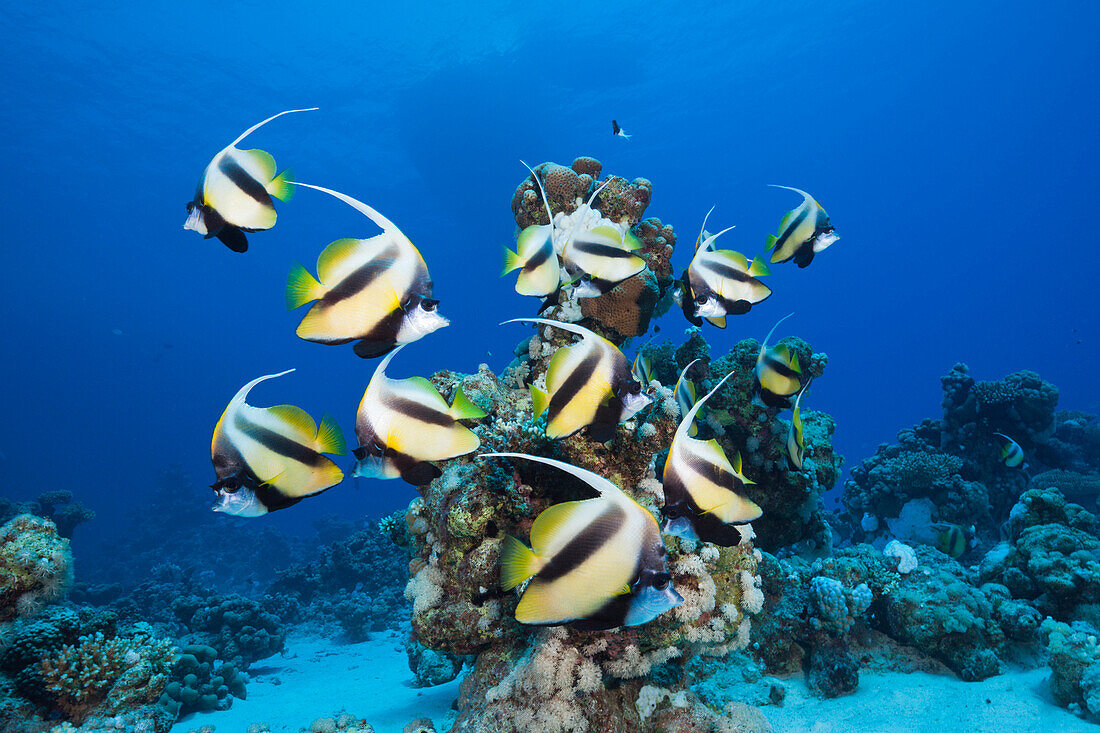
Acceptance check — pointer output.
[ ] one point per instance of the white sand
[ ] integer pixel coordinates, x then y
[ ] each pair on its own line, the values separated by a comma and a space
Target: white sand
919, 702
318, 678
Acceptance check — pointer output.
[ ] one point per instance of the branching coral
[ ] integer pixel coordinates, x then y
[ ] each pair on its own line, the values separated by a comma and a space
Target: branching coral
107, 674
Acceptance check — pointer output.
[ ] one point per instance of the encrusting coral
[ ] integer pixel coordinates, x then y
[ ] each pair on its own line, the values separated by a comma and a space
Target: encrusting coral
35, 565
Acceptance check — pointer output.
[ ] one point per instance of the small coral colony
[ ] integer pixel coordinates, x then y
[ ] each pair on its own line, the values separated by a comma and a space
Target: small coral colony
594, 563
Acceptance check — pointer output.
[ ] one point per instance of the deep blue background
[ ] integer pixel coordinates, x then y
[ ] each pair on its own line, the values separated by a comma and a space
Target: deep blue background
953, 144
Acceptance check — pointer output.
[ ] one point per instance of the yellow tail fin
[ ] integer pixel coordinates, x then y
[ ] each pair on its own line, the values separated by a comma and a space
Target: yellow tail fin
540, 400
517, 563
301, 288
512, 261
463, 409
329, 437
282, 186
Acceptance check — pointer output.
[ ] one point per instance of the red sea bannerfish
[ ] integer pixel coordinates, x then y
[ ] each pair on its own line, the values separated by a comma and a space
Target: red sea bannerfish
235, 192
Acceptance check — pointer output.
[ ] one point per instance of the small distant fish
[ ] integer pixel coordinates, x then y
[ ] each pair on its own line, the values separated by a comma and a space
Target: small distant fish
719, 283
596, 564
950, 539
803, 232
796, 446
234, 193
376, 291
704, 496
589, 384
686, 396
615, 129
269, 458
535, 256
778, 373
1011, 452
404, 424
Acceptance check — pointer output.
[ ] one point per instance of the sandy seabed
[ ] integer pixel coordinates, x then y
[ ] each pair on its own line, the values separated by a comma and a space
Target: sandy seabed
317, 678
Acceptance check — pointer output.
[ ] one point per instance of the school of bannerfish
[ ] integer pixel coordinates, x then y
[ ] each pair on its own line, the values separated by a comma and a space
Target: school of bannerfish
597, 563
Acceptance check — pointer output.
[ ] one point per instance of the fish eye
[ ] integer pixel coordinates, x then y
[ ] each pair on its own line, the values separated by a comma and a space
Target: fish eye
661, 580
586, 278
190, 206
635, 388
428, 304
701, 299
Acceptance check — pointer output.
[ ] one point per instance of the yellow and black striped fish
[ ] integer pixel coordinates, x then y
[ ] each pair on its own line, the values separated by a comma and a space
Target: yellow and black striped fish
1011, 452
595, 564
375, 291
234, 194
642, 369
721, 282
268, 458
803, 232
600, 258
778, 373
597, 253
535, 256
704, 493
404, 424
796, 444
588, 384
950, 539
686, 396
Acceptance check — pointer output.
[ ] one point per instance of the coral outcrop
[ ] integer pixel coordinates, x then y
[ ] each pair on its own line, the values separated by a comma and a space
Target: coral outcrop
55, 505
36, 566
1051, 557
83, 667
239, 628
198, 683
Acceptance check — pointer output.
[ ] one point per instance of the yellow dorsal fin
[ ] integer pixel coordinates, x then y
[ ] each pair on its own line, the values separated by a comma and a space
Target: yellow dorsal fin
333, 256
297, 421
549, 523
736, 259
263, 161
555, 365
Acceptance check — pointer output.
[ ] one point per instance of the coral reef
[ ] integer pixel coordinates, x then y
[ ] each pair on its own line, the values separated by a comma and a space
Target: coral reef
1075, 668
82, 666
239, 628
567, 187
1051, 558
790, 498
57, 506
36, 565
198, 683
431, 667
356, 582
565, 678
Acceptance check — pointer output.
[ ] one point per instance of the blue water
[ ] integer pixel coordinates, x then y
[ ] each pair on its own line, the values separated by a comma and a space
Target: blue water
953, 144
